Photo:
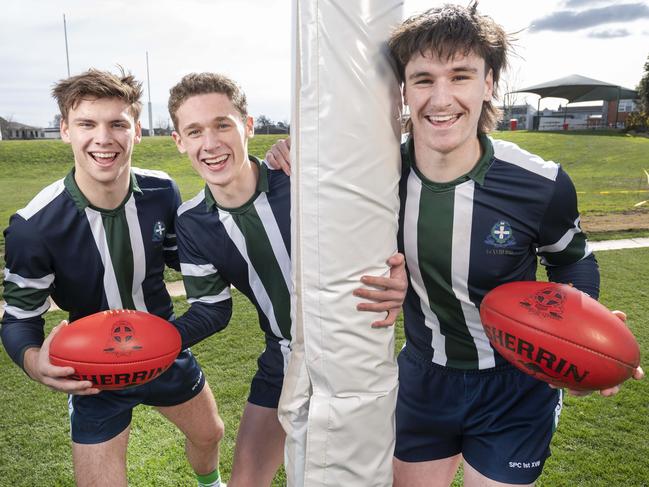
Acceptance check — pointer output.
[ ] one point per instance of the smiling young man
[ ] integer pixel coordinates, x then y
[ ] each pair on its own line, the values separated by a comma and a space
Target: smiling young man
99, 239
475, 213
236, 231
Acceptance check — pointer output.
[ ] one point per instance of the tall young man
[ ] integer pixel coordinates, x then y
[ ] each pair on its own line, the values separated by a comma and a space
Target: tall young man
475, 213
99, 239
236, 231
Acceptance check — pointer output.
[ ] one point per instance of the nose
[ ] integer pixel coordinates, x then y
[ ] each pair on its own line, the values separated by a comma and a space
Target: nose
103, 135
440, 95
211, 141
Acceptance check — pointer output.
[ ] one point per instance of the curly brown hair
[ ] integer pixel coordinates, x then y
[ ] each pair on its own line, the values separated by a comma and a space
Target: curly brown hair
93, 84
450, 30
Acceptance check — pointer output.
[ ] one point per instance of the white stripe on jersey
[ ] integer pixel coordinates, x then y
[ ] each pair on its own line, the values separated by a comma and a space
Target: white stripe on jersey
42, 199
175, 247
511, 153
188, 205
410, 237
276, 241
139, 257
22, 314
564, 241
33, 283
222, 296
197, 270
460, 258
256, 285
151, 173
110, 281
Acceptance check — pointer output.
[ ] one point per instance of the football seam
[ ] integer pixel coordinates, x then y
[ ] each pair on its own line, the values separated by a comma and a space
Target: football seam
111, 363
596, 352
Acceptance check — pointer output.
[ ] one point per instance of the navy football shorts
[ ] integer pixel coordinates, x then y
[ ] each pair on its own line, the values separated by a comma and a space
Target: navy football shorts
100, 417
501, 420
266, 385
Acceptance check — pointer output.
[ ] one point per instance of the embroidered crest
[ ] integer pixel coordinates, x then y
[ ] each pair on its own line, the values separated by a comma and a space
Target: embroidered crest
159, 230
501, 235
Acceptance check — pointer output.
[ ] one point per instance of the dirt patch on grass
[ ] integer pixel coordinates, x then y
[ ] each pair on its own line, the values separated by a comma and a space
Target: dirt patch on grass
628, 220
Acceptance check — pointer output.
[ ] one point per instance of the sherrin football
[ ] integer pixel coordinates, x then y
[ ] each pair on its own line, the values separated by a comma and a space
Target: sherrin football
559, 335
116, 349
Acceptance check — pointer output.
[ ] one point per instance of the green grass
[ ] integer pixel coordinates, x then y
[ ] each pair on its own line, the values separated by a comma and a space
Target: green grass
609, 162
600, 441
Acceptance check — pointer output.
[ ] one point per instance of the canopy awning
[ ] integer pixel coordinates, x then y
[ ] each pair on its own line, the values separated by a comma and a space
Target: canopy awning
576, 88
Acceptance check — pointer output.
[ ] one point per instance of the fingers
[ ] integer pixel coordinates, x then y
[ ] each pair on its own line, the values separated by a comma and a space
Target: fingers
620, 314
277, 162
279, 156
638, 374
389, 320
55, 377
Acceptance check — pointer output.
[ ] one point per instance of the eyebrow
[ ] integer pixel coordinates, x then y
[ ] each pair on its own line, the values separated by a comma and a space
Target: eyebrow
82, 119
457, 69
194, 125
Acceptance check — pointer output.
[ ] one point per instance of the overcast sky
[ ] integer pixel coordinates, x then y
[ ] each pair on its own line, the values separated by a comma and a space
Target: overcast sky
250, 41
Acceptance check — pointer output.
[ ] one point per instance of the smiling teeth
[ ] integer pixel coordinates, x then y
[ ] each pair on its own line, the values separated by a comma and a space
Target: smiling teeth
216, 160
441, 118
104, 155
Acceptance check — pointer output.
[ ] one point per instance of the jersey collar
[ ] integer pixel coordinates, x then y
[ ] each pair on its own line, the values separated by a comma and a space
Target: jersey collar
262, 187
82, 202
478, 172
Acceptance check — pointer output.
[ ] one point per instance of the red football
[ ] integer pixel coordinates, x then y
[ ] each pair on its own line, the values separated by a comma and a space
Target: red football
116, 349
559, 335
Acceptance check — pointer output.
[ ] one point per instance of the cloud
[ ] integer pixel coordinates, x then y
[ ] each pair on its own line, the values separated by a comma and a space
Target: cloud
569, 20
609, 34
581, 3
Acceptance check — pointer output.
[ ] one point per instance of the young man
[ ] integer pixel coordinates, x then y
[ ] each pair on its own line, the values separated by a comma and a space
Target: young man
99, 239
475, 213
236, 232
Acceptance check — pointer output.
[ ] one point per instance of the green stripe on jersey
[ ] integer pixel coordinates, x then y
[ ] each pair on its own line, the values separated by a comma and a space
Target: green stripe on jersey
198, 287
435, 251
121, 254
264, 261
25, 298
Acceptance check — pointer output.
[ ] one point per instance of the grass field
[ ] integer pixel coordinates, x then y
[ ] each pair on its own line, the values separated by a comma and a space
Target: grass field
600, 442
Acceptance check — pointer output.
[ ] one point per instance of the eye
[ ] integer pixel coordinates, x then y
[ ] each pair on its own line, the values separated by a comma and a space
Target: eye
222, 125
120, 125
460, 77
193, 133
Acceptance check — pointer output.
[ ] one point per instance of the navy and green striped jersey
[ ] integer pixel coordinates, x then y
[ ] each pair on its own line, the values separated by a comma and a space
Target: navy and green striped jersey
465, 237
88, 259
247, 247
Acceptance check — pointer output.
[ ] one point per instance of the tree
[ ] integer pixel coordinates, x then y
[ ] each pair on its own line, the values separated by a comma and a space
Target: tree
56, 121
508, 85
263, 124
643, 90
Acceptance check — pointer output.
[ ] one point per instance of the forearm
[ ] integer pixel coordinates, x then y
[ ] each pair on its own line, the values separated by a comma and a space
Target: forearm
203, 320
584, 275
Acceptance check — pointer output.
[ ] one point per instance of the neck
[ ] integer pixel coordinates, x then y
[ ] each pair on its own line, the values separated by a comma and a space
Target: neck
105, 195
239, 190
443, 167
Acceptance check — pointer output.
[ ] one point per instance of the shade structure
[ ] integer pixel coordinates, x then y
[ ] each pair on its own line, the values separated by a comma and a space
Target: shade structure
577, 88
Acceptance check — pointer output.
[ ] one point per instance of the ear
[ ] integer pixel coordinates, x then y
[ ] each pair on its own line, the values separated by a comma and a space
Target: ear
250, 126
489, 86
179, 142
65, 131
138, 132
